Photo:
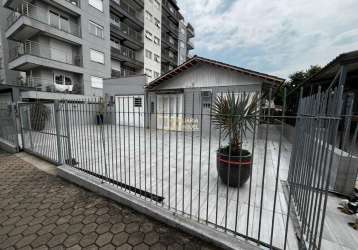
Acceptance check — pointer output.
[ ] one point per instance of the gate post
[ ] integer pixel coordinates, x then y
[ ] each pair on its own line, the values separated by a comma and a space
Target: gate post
58, 131
13, 116
68, 134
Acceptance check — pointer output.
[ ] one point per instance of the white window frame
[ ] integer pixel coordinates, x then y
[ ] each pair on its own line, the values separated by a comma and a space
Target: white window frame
156, 40
93, 56
148, 54
97, 4
148, 35
97, 28
96, 82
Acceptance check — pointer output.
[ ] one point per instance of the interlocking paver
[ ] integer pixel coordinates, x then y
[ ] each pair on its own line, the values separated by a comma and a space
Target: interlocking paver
39, 211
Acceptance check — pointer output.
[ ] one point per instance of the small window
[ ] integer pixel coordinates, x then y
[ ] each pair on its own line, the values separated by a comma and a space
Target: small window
97, 56
96, 29
137, 102
157, 4
148, 72
68, 80
148, 35
97, 82
148, 15
157, 23
148, 54
156, 74
156, 58
98, 4
156, 40
59, 79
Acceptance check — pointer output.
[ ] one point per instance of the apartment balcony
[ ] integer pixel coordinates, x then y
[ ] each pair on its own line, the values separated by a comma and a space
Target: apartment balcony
190, 29
30, 19
190, 44
169, 42
124, 10
128, 35
125, 55
122, 73
169, 58
172, 10
29, 55
170, 27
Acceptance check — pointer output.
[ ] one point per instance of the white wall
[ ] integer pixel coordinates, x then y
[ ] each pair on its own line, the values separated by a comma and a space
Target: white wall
150, 45
208, 76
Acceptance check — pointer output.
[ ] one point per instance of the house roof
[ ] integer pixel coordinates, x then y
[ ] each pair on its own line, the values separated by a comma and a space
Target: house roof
329, 71
196, 60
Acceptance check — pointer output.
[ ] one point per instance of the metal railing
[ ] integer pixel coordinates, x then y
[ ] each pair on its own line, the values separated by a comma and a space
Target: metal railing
124, 51
125, 29
44, 16
172, 58
132, 12
37, 49
8, 125
123, 73
170, 26
170, 40
164, 149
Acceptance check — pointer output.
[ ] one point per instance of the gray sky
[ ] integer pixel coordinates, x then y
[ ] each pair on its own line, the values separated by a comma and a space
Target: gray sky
275, 36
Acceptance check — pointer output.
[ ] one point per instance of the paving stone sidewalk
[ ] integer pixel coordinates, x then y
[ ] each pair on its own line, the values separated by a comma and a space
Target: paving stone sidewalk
40, 211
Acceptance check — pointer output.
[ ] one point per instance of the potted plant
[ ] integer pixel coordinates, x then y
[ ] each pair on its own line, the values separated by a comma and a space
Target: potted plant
234, 114
39, 115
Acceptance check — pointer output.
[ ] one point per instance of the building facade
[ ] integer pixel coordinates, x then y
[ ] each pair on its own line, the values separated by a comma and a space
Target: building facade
70, 46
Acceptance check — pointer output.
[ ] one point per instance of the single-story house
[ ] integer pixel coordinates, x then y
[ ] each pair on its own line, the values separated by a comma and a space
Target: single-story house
191, 87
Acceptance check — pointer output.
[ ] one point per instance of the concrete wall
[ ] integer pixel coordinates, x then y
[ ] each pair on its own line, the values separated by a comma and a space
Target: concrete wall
182, 49
133, 85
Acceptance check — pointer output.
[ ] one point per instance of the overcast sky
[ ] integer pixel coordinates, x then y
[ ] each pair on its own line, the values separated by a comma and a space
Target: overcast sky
273, 36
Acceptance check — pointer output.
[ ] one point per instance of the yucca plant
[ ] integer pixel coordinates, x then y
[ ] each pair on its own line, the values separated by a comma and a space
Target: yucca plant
235, 115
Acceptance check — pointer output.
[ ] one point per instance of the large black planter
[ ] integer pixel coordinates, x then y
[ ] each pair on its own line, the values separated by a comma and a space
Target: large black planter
234, 170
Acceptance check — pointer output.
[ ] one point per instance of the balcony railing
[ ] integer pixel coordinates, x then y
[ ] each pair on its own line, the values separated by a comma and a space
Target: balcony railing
125, 29
170, 25
44, 16
132, 12
123, 73
172, 58
172, 41
36, 49
124, 51
170, 9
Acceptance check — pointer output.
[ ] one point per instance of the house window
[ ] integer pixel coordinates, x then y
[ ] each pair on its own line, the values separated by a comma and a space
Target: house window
148, 35
98, 4
148, 54
137, 102
97, 56
206, 99
96, 82
156, 40
96, 29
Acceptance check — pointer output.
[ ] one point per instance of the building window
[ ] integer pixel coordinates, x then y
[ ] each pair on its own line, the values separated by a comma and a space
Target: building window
148, 72
96, 82
157, 4
59, 21
157, 22
148, 54
156, 40
98, 4
96, 29
97, 56
206, 99
148, 15
156, 74
148, 35
137, 102
156, 58
62, 79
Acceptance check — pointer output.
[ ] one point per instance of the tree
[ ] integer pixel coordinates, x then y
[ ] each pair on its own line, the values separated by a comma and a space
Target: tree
292, 86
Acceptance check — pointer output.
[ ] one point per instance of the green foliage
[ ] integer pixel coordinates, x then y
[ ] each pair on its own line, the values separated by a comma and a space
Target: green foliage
235, 114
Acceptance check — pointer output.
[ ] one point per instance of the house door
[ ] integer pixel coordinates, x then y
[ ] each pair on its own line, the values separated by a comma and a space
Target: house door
130, 110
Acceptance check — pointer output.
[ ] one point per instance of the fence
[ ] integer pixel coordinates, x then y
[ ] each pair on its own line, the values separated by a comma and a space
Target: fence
170, 150
8, 131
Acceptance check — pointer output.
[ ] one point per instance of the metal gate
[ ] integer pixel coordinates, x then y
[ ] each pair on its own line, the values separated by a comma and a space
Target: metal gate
43, 130
8, 131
